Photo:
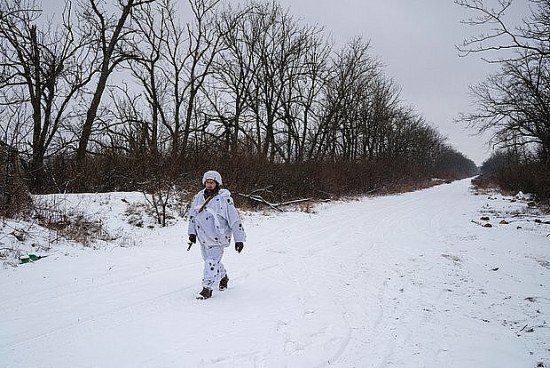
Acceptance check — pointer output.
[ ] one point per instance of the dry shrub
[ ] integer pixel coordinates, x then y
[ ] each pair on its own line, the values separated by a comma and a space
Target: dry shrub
281, 182
68, 223
243, 173
533, 177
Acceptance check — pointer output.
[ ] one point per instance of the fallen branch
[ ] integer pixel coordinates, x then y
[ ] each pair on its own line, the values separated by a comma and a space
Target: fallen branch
266, 189
275, 206
257, 198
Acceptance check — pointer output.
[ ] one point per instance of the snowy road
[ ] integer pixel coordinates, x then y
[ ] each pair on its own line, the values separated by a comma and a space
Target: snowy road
411, 280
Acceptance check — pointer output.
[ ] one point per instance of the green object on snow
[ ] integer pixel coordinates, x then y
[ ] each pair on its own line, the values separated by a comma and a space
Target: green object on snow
30, 258
24, 259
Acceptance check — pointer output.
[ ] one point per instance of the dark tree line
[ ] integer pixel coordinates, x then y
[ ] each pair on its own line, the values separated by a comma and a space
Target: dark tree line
101, 96
514, 103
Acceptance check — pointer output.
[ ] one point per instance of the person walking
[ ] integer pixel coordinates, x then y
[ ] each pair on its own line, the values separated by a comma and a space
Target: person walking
213, 220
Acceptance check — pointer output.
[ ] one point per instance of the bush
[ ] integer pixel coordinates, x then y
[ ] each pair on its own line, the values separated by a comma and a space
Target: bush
513, 172
243, 173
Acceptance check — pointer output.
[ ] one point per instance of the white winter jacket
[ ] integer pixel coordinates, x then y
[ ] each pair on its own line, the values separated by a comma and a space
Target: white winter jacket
214, 223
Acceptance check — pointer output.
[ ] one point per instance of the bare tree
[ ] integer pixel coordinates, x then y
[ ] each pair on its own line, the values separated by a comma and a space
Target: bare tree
528, 38
264, 77
174, 63
270, 29
347, 102
306, 76
513, 104
108, 35
233, 70
42, 66
141, 110
262, 71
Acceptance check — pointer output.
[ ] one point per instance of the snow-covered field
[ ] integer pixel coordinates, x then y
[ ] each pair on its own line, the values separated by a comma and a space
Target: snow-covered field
410, 280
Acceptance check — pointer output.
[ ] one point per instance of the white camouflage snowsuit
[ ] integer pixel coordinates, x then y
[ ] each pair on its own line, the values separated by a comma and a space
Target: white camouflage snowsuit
213, 224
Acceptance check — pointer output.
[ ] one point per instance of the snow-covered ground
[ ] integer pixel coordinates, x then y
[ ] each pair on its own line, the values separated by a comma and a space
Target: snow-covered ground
410, 280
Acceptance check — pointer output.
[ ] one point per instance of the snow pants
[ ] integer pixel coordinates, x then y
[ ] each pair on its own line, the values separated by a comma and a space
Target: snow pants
214, 269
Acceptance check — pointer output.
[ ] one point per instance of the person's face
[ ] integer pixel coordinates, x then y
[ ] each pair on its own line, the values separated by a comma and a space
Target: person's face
210, 184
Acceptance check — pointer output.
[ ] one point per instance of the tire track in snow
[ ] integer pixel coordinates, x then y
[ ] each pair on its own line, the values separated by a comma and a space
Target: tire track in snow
386, 333
94, 296
127, 310
358, 309
73, 289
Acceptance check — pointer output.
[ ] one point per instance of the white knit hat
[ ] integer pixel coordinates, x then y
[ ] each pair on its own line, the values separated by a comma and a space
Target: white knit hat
212, 175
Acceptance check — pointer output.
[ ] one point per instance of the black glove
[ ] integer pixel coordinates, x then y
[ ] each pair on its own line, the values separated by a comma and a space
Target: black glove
239, 246
192, 238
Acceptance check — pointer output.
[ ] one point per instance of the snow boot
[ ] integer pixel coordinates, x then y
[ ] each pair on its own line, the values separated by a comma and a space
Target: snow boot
205, 294
223, 283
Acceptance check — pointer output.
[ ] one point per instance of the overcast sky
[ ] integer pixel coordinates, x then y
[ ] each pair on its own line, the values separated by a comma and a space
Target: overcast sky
416, 41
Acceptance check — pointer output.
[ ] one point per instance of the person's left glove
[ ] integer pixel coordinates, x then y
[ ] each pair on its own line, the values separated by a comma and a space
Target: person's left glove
239, 246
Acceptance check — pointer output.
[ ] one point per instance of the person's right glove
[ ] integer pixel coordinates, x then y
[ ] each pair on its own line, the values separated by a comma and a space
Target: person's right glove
192, 238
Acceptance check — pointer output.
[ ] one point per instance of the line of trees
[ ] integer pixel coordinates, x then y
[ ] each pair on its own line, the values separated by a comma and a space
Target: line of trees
514, 103
103, 93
